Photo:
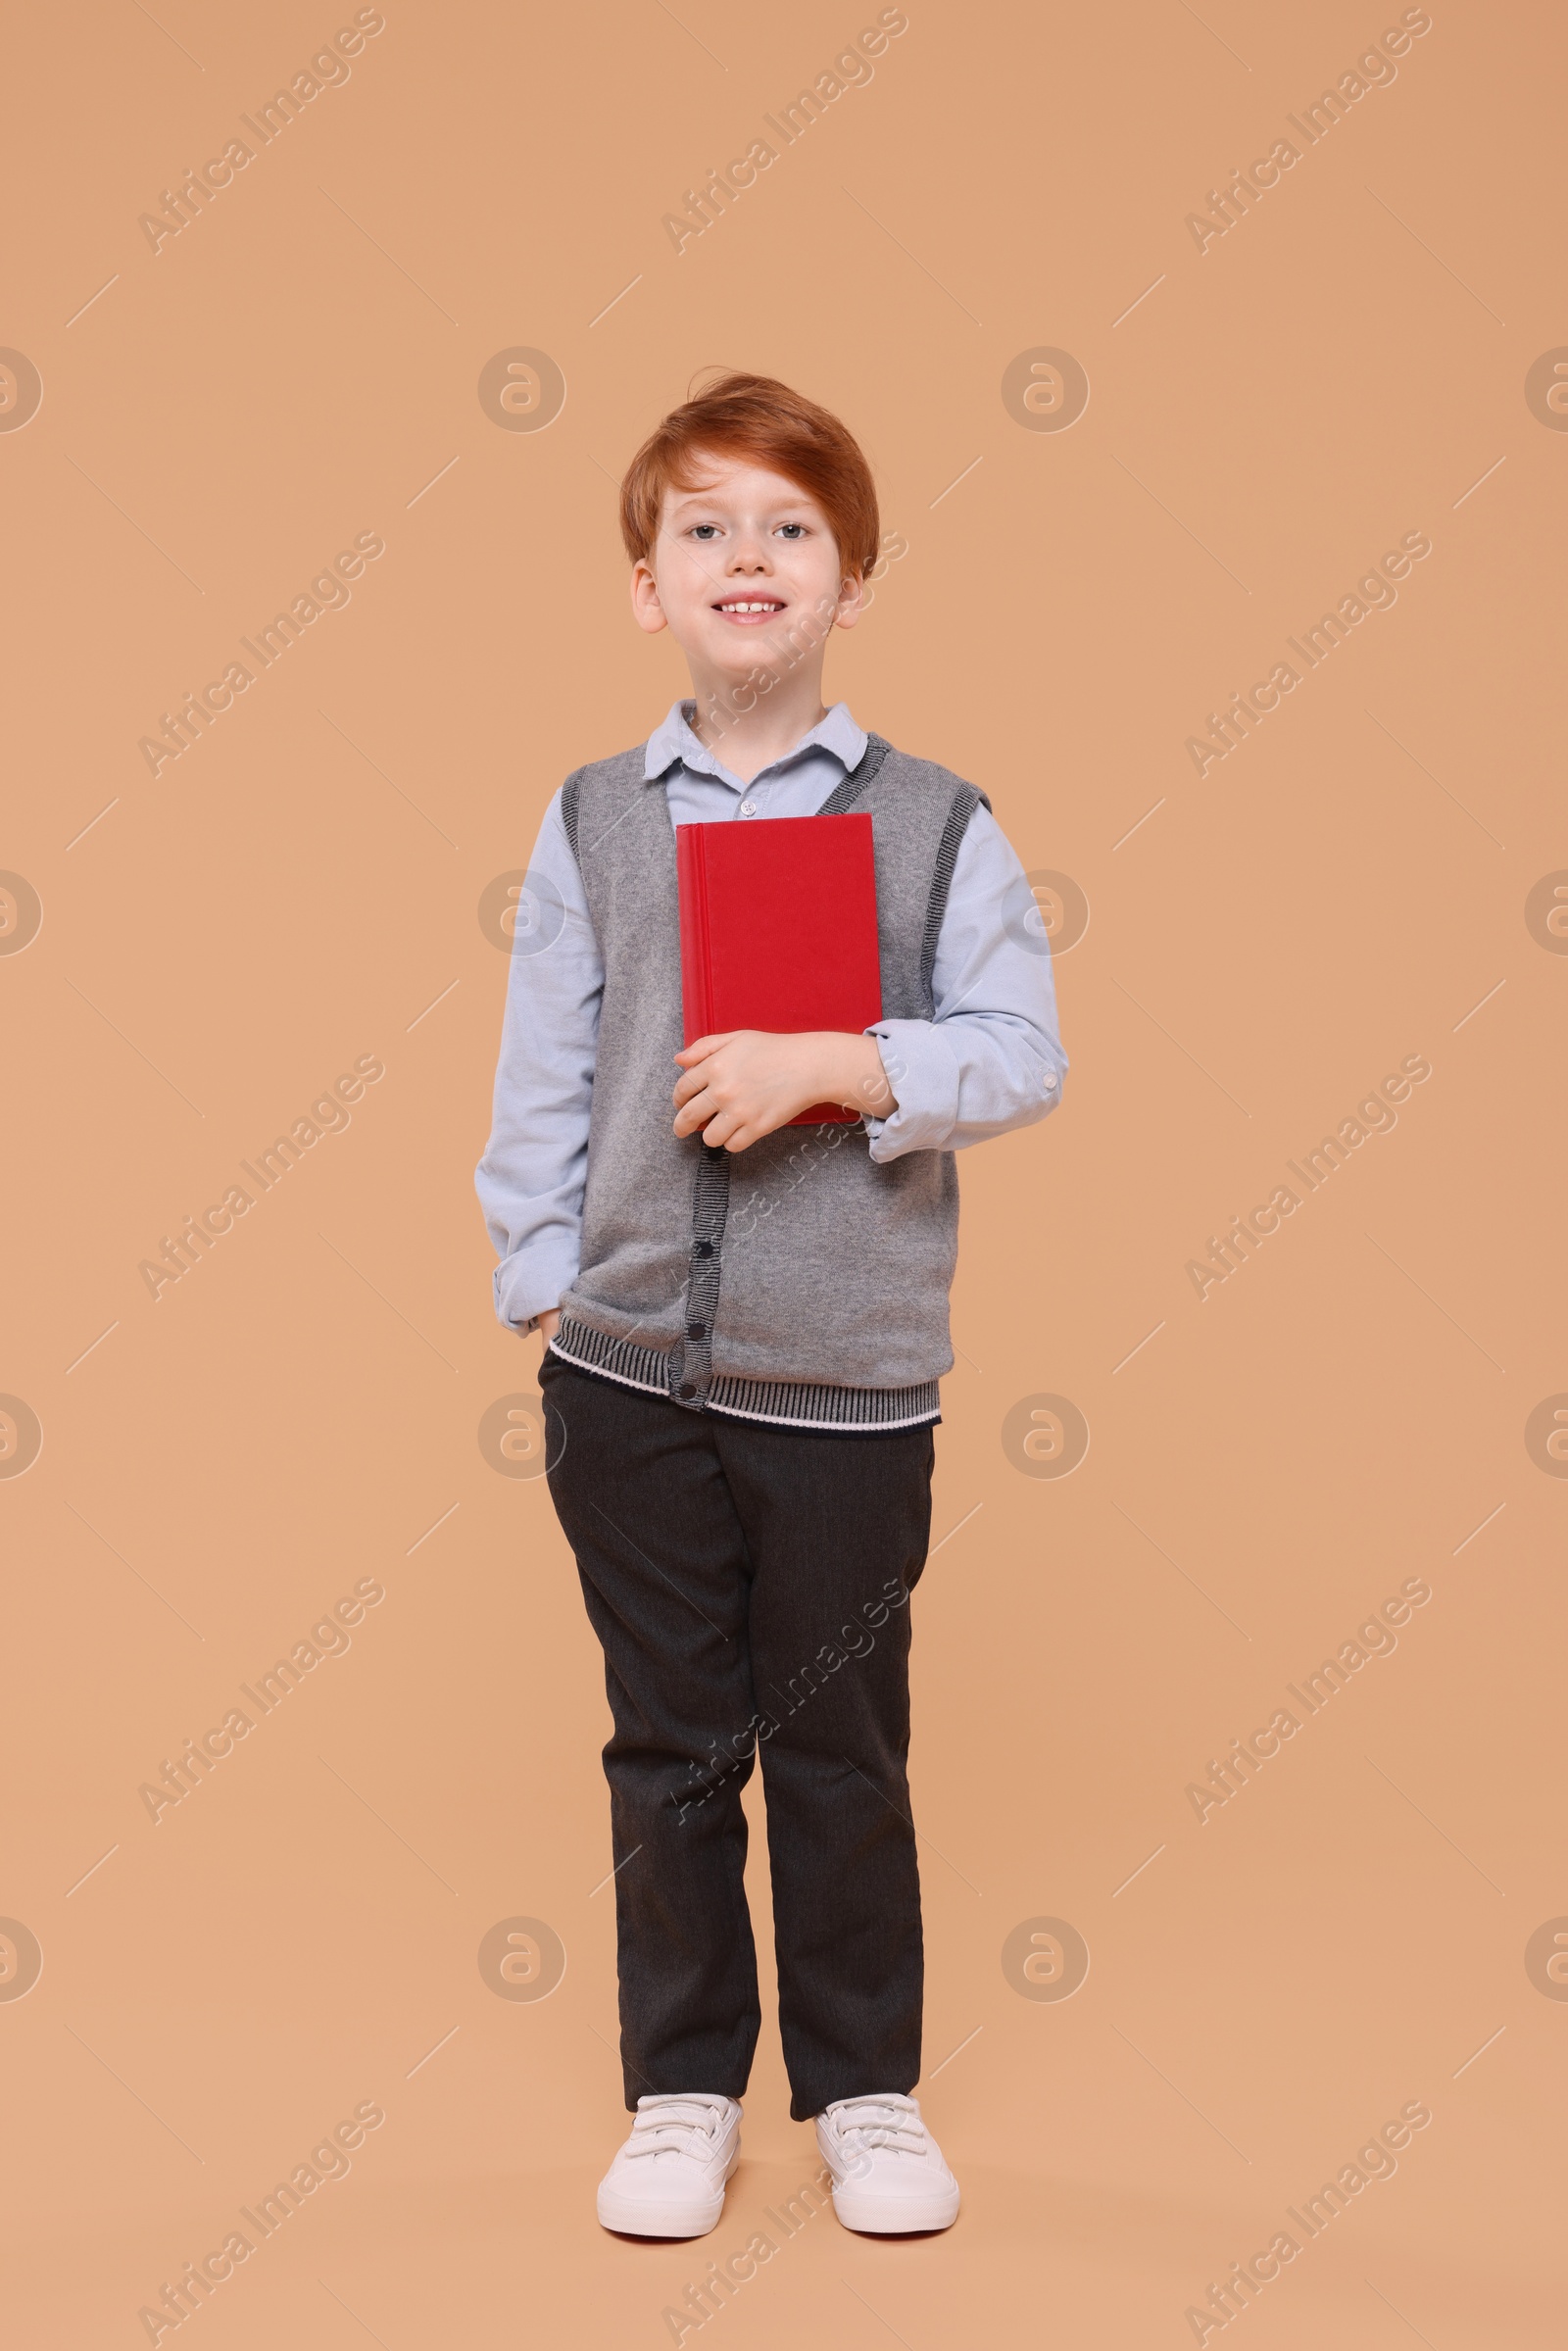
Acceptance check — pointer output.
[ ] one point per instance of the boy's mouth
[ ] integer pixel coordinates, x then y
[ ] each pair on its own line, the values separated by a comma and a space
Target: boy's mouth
750, 612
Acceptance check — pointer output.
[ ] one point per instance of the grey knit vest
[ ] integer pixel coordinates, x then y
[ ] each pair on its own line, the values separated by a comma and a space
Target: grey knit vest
793, 1282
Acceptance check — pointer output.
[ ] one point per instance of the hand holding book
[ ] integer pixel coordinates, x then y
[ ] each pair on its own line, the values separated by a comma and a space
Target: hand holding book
742, 1084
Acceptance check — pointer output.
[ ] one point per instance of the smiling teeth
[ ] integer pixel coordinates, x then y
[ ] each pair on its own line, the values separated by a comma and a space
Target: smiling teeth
751, 608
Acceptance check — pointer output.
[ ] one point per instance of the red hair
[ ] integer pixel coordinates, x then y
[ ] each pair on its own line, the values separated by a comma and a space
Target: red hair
756, 416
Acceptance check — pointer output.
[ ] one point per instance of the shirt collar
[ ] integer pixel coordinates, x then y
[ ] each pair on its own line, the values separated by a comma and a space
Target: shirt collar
674, 741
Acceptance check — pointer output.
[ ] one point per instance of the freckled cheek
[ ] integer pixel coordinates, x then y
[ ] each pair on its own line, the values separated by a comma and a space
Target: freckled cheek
695, 574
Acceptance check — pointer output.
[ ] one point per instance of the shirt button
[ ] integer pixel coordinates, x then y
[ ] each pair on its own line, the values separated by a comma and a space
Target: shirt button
697, 1330
747, 807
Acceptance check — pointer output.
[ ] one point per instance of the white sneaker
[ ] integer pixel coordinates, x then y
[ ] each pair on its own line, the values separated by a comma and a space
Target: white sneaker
888, 2171
669, 2179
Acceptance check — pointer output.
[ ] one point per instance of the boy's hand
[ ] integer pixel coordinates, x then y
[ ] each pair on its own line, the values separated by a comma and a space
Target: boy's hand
547, 1323
740, 1086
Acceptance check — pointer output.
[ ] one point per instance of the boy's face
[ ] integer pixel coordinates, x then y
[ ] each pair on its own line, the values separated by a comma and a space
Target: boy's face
745, 573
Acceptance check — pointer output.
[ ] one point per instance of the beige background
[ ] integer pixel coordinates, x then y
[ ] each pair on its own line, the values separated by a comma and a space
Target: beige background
301, 887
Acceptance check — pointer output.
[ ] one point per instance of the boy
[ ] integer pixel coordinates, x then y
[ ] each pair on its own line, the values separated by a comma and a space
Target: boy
745, 1323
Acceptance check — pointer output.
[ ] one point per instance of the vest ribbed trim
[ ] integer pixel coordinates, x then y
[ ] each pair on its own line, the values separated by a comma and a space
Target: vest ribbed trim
645, 1367
798, 1404
570, 795
847, 791
785, 1404
965, 801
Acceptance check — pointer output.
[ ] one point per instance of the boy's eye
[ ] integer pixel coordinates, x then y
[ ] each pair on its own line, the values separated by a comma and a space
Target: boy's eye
792, 530
704, 530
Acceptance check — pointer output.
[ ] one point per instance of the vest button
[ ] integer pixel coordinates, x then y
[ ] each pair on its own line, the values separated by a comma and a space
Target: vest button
705, 1249
697, 1330
688, 1389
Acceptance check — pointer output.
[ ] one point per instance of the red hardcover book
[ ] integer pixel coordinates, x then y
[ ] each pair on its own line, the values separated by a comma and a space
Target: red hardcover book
779, 930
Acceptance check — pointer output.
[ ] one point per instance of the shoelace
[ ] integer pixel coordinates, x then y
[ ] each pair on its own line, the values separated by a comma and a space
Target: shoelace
669, 2127
893, 2123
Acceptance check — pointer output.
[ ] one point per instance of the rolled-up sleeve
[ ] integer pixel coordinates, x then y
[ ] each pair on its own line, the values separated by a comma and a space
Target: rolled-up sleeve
990, 1058
530, 1180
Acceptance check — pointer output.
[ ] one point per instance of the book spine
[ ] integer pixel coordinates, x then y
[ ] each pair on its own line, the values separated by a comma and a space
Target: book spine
705, 945
696, 961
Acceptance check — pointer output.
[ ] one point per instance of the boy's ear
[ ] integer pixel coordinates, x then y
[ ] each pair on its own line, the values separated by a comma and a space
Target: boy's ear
647, 609
852, 602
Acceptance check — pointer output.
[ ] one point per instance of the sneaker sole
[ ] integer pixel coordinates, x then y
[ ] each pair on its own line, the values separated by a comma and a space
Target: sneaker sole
629, 2216
885, 2216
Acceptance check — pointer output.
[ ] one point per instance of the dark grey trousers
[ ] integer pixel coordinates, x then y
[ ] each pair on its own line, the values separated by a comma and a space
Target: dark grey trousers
750, 1587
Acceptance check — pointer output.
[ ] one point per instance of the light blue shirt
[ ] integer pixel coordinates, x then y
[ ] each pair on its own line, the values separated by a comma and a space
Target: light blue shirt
989, 1060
